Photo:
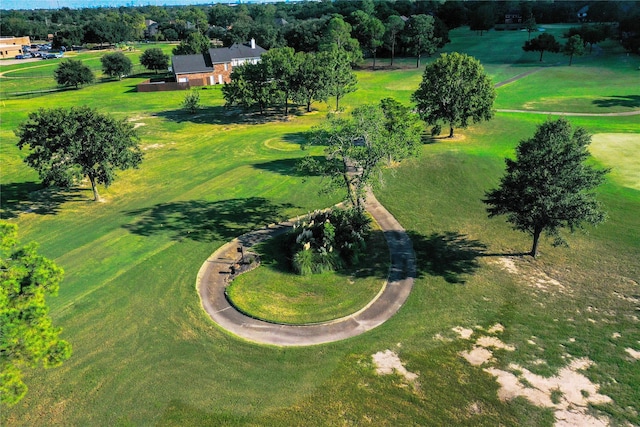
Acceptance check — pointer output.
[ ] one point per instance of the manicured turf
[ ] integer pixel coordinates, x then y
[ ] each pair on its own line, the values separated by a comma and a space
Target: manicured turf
273, 293
145, 353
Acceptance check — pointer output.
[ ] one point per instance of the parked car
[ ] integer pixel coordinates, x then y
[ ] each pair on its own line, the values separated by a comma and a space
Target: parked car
19, 56
49, 56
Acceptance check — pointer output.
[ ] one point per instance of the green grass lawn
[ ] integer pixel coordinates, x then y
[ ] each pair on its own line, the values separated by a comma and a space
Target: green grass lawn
145, 353
275, 294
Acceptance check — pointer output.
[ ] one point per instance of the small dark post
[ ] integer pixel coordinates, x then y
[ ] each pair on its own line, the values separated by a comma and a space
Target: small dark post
241, 250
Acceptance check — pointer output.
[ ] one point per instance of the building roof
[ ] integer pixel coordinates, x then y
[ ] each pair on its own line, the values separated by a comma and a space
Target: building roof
198, 63
235, 51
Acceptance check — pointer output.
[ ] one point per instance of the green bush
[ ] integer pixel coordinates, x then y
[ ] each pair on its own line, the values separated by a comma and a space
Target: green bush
328, 240
191, 101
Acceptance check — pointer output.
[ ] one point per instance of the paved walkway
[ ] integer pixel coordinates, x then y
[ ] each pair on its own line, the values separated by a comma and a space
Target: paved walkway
214, 274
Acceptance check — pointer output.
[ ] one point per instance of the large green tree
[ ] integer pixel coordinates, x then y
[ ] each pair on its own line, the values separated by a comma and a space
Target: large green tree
27, 334
573, 47
544, 42
337, 36
282, 65
420, 38
394, 26
369, 31
357, 146
251, 86
116, 64
341, 78
194, 43
483, 18
402, 128
154, 59
68, 144
311, 78
455, 89
549, 186
72, 72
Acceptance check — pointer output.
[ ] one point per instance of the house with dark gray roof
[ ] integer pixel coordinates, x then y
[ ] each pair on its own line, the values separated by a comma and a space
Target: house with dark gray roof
215, 66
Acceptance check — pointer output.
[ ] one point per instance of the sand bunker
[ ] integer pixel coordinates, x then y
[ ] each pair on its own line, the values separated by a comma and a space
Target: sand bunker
387, 362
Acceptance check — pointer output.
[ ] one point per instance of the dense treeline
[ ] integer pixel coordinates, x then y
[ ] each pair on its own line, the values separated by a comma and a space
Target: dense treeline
382, 28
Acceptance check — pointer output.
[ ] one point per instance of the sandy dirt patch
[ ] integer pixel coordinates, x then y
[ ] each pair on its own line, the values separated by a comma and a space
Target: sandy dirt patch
494, 342
497, 328
508, 264
576, 392
387, 362
477, 356
464, 333
633, 353
569, 393
534, 278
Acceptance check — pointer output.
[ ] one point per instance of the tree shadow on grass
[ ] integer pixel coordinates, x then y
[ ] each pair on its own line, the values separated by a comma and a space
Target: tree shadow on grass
220, 115
288, 167
205, 221
628, 101
301, 138
450, 255
31, 197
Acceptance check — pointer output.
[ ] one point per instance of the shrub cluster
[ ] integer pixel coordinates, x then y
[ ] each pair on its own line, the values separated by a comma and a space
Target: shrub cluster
328, 240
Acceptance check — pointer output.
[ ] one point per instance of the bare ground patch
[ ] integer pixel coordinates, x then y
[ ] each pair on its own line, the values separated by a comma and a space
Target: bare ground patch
532, 275
387, 362
569, 393
633, 353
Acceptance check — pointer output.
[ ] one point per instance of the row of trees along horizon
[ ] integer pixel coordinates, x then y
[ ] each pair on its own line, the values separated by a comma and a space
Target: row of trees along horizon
381, 28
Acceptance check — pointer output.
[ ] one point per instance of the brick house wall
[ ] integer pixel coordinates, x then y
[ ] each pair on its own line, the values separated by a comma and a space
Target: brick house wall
223, 70
219, 75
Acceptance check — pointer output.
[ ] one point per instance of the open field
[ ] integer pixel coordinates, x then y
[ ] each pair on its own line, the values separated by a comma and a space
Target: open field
145, 353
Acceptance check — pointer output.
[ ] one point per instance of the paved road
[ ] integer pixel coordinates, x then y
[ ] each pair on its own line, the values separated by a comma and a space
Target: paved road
214, 273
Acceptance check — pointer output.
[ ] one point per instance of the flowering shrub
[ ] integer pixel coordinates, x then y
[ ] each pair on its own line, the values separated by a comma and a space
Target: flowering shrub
327, 240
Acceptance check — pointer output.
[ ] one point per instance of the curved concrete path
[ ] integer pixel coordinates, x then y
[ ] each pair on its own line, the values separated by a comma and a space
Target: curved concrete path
214, 273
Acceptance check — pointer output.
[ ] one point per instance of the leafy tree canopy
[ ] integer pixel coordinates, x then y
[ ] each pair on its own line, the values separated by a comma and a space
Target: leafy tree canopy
544, 42
574, 46
69, 144
549, 186
154, 59
194, 43
28, 336
116, 64
419, 34
356, 146
72, 72
455, 89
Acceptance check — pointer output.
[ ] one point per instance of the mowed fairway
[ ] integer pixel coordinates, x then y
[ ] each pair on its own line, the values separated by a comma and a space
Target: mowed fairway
145, 353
